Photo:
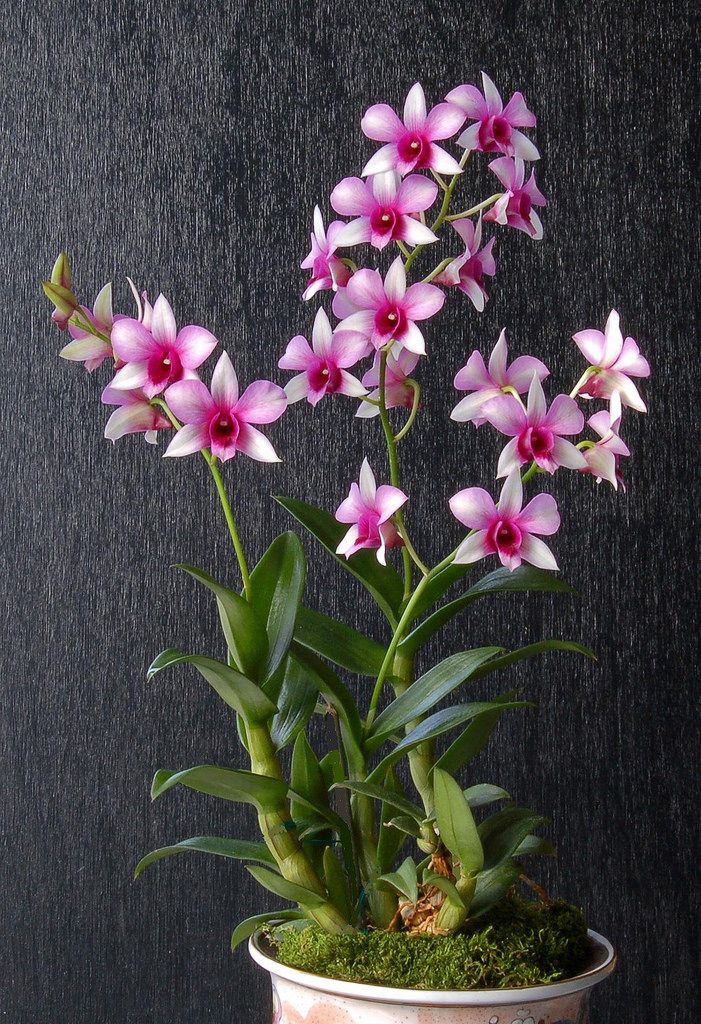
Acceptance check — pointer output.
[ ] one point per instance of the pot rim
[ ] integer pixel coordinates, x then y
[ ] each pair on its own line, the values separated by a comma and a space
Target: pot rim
603, 955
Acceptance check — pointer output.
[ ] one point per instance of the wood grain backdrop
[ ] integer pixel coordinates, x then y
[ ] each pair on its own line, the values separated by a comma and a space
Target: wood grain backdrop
185, 144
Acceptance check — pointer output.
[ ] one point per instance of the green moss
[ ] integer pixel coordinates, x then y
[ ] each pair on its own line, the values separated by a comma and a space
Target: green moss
518, 943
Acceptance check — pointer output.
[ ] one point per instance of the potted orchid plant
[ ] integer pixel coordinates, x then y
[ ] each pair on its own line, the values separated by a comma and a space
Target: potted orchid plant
403, 880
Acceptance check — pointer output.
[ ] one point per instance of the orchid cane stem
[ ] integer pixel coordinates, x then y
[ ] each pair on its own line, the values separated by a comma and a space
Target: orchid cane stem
475, 209
394, 469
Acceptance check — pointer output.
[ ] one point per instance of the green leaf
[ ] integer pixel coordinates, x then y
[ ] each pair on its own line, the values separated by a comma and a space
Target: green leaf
436, 725
331, 768
456, 825
525, 578
246, 928
445, 885
306, 777
235, 689
382, 581
277, 583
243, 629
384, 795
340, 699
403, 880
287, 890
391, 840
472, 740
296, 703
339, 643
335, 880
237, 849
427, 691
492, 885
535, 845
403, 823
530, 651
484, 793
502, 833
262, 791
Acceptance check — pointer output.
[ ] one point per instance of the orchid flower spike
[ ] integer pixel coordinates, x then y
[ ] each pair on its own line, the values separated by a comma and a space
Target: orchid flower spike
383, 207
506, 529
603, 458
397, 391
467, 272
324, 364
612, 363
369, 509
496, 127
387, 311
515, 207
328, 271
536, 430
86, 347
220, 420
487, 383
411, 143
134, 415
157, 356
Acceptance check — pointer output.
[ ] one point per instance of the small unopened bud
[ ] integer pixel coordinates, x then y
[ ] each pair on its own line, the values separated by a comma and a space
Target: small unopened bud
61, 273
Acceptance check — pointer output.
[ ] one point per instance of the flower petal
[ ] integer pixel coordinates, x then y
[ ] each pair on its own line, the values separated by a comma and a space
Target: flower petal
509, 459
131, 376
415, 194
511, 497
351, 508
191, 401
132, 342
395, 283
537, 553
415, 108
520, 374
497, 360
352, 197
521, 146
297, 388
492, 98
473, 507
441, 161
261, 402
381, 123
194, 345
591, 344
472, 549
225, 384
473, 376
443, 121
321, 333
368, 488
88, 347
506, 414
413, 232
613, 340
298, 354
536, 406
388, 500
564, 416
348, 543
471, 406
413, 340
385, 159
564, 453
630, 361
351, 386
348, 347
470, 100
130, 419
255, 444
366, 289
422, 300
517, 113
102, 310
540, 516
192, 438
355, 232
163, 322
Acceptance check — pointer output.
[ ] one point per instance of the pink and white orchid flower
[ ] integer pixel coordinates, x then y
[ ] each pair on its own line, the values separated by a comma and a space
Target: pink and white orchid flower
537, 431
411, 143
603, 458
496, 127
515, 207
613, 362
135, 415
383, 208
328, 271
506, 529
160, 355
488, 383
397, 392
220, 420
467, 272
388, 311
324, 364
86, 347
370, 508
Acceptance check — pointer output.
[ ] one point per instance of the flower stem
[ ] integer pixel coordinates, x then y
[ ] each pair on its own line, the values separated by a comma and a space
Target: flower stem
416, 388
437, 270
475, 209
443, 212
402, 248
531, 471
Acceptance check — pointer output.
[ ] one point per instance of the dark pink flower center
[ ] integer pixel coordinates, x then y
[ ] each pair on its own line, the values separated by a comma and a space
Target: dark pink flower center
504, 535
224, 429
325, 376
592, 387
165, 367
390, 321
472, 270
521, 204
383, 220
321, 267
414, 147
494, 133
369, 529
536, 443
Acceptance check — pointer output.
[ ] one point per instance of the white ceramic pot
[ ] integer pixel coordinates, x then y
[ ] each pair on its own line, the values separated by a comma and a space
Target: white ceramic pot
301, 998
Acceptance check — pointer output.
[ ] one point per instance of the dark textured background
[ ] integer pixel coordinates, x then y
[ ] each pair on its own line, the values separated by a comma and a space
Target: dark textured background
185, 144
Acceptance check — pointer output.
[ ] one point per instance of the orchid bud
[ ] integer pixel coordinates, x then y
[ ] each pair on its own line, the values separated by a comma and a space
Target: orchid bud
61, 273
64, 300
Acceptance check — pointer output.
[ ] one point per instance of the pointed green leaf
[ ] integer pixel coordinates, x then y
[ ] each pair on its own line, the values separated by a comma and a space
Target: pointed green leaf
341, 700
435, 725
445, 885
262, 791
472, 740
383, 582
332, 768
339, 643
456, 825
403, 823
243, 629
287, 890
384, 795
530, 651
296, 702
237, 849
502, 833
277, 583
484, 793
250, 926
306, 777
335, 880
235, 689
492, 885
525, 578
427, 691
535, 845
403, 880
